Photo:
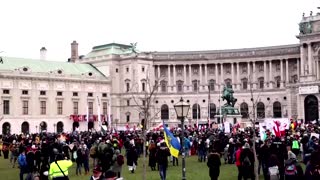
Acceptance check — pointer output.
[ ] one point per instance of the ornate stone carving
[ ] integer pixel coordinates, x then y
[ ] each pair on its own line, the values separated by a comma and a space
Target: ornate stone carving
42, 86
25, 85
7, 84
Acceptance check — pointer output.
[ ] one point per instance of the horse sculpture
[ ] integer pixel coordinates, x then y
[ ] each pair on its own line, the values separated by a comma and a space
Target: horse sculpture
227, 94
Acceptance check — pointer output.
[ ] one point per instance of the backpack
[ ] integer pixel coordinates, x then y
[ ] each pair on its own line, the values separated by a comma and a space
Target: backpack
290, 170
120, 160
315, 172
274, 172
22, 161
246, 161
93, 151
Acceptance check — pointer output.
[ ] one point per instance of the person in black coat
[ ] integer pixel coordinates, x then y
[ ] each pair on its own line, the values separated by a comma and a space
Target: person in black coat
132, 158
214, 164
247, 162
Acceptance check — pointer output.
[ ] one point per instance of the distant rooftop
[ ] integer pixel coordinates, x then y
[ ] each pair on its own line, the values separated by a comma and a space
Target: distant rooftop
41, 66
111, 48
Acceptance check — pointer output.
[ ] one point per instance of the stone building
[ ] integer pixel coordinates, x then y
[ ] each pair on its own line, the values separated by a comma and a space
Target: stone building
284, 81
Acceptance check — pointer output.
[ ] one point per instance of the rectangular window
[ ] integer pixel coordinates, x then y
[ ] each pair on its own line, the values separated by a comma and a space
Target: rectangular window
104, 94
59, 107
43, 107
127, 87
90, 94
6, 91
59, 93
142, 69
143, 86
42, 93
180, 87
261, 84
245, 85
25, 92
75, 108
260, 68
105, 108
25, 107
117, 70
143, 102
90, 108
128, 102
127, 69
75, 94
128, 118
6, 107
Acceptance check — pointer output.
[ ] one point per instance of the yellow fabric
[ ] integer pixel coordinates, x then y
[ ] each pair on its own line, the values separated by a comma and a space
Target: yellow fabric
54, 170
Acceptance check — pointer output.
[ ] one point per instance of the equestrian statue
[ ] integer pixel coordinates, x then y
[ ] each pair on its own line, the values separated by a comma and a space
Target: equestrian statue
227, 94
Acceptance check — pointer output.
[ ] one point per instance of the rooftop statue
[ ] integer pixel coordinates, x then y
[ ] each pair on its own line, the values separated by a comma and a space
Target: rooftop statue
227, 94
134, 47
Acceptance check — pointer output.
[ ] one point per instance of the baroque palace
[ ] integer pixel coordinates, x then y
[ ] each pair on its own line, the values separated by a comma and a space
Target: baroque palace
112, 80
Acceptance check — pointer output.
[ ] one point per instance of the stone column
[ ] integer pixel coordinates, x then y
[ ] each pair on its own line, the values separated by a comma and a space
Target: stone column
184, 77
206, 74
221, 75
270, 75
248, 68
310, 68
216, 77
174, 78
159, 73
200, 74
281, 73
265, 73
254, 79
190, 80
298, 68
302, 59
238, 76
169, 75
232, 76
287, 71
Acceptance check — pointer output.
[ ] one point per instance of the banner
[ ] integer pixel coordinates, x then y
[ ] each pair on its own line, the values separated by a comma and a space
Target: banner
277, 125
227, 127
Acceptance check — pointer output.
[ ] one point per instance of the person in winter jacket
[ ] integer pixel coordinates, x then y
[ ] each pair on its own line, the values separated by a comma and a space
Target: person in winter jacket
22, 161
214, 164
247, 162
117, 168
162, 159
293, 170
132, 158
238, 161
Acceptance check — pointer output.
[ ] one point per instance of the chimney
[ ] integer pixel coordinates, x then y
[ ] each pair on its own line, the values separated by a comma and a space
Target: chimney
43, 53
74, 52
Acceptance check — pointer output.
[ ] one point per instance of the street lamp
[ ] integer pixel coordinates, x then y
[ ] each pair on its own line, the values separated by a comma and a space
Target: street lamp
182, 110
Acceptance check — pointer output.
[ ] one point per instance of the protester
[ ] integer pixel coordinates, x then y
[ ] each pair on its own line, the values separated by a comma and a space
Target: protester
118, 160
132, 158
97, 174
214, 164
247, 162
313, 167
22, 161
293, 170
59, 169
152, 156
162, 159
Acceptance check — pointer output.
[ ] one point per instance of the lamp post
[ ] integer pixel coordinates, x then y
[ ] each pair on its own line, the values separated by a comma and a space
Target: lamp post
182, 110
54, 128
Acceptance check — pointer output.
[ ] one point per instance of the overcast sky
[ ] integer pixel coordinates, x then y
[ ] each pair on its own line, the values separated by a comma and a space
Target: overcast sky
163, 25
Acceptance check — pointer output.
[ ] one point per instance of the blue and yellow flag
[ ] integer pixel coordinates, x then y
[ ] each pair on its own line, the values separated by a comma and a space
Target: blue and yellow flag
172, 142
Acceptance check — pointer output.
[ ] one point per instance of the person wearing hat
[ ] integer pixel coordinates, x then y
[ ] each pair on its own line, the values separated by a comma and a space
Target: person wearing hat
293, 170
97, 173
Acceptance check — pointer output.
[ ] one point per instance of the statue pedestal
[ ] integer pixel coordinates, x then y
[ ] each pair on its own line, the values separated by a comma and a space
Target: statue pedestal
232, 119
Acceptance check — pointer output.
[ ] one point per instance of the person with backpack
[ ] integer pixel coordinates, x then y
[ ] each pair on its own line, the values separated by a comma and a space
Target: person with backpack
118, 160
162, 158
313, 167
22, 161
292, 170
247, 162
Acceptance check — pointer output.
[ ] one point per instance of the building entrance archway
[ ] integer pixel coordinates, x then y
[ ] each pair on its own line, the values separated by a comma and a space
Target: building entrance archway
311, 108
75, 125
6, 128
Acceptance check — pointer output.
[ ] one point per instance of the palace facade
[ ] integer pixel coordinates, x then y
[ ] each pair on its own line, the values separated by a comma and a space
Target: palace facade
281, 81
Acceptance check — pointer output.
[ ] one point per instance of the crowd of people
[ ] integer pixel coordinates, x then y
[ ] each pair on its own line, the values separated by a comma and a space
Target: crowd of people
47, 155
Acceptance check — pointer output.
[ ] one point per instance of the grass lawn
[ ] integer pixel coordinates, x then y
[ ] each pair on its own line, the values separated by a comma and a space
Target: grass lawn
195, 170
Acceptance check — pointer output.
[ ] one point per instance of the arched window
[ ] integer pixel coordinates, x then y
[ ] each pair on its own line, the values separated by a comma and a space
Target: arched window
196, 111
277, 110
260, 110
25, 127
212, 110
311, 108
164, 112
6, 128
59, 127
43, 126
211, 84
244, 110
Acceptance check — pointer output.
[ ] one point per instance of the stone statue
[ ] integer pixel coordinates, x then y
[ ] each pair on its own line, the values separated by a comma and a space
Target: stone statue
227, 94
305, 28
134, 47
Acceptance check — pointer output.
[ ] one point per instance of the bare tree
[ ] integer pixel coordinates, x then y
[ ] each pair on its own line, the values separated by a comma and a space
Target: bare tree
144, 103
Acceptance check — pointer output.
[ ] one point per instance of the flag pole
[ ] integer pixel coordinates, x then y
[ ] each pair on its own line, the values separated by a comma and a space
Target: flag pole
98, 112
